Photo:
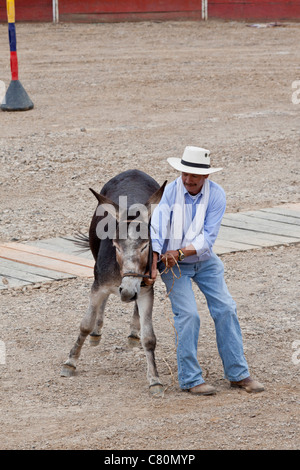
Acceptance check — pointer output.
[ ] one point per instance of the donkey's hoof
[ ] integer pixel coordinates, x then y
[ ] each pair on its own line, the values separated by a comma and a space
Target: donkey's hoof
133, 341
67, 370
156, 390
95, 340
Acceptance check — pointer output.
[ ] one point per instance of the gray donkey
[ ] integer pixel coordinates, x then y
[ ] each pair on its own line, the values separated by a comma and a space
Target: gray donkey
120, 243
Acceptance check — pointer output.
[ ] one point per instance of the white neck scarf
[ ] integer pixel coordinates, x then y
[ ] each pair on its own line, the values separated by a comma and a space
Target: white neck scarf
196, 229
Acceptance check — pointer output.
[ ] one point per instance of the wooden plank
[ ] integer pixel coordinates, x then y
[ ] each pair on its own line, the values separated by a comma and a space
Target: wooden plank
18, 269
39, 260
35, 250
281, 211
7, 283
241, 221
27, 276
253, 238
273, 216
222, 248
62, 245
228, 246
55, 258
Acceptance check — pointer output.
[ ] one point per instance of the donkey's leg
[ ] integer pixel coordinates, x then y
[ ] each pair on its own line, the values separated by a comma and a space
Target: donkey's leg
148, 339
97, 298
134, 337
95, 336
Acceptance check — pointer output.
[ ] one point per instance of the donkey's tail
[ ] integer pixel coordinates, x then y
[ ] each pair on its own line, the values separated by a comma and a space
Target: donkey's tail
81, 240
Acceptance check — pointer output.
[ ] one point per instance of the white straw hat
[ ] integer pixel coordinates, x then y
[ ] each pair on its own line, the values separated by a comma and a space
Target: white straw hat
195, 160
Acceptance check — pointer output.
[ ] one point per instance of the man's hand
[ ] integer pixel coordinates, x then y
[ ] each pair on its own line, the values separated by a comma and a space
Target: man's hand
148, 281
170, 258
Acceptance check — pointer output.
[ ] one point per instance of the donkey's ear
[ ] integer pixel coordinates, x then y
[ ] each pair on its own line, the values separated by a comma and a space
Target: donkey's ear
97, 195
156, 197
110, 206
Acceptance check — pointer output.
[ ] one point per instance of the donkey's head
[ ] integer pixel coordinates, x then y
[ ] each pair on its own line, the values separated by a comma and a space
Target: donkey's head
130, 236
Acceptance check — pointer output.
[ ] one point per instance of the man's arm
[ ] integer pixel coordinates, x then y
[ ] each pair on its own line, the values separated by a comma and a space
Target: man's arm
212, 223
170, 258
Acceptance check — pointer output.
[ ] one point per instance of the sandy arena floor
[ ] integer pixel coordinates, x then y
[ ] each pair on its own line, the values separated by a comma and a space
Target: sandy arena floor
110, 97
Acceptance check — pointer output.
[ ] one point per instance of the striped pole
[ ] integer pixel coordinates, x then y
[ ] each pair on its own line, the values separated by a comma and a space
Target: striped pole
16, 98
12, 39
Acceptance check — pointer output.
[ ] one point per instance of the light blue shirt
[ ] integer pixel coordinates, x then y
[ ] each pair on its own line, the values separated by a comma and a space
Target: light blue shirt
162, 216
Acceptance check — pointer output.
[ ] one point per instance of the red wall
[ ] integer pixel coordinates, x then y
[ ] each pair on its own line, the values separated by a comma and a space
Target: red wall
29, 10
118, 10
113, 10
254, 9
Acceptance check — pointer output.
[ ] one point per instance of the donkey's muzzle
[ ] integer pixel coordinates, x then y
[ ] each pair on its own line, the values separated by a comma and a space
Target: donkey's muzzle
127, 295
130, 286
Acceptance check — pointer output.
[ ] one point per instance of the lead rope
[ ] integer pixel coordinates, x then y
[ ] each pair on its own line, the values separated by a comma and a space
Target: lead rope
167, 269
175, 276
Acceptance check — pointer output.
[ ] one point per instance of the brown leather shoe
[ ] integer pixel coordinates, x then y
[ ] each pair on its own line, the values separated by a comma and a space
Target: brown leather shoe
202, 389
248, 384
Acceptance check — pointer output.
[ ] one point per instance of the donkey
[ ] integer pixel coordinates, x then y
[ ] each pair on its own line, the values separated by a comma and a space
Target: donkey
121, 246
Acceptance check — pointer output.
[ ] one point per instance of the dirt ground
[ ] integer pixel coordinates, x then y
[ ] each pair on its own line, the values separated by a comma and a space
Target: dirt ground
110, 97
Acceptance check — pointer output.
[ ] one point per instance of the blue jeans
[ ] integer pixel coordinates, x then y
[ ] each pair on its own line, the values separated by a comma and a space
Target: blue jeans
209, 277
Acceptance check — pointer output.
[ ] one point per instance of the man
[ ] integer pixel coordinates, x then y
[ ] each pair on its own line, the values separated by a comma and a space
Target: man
184, 227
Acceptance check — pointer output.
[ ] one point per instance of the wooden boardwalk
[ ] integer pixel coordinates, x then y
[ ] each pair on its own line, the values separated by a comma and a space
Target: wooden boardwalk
42, 261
